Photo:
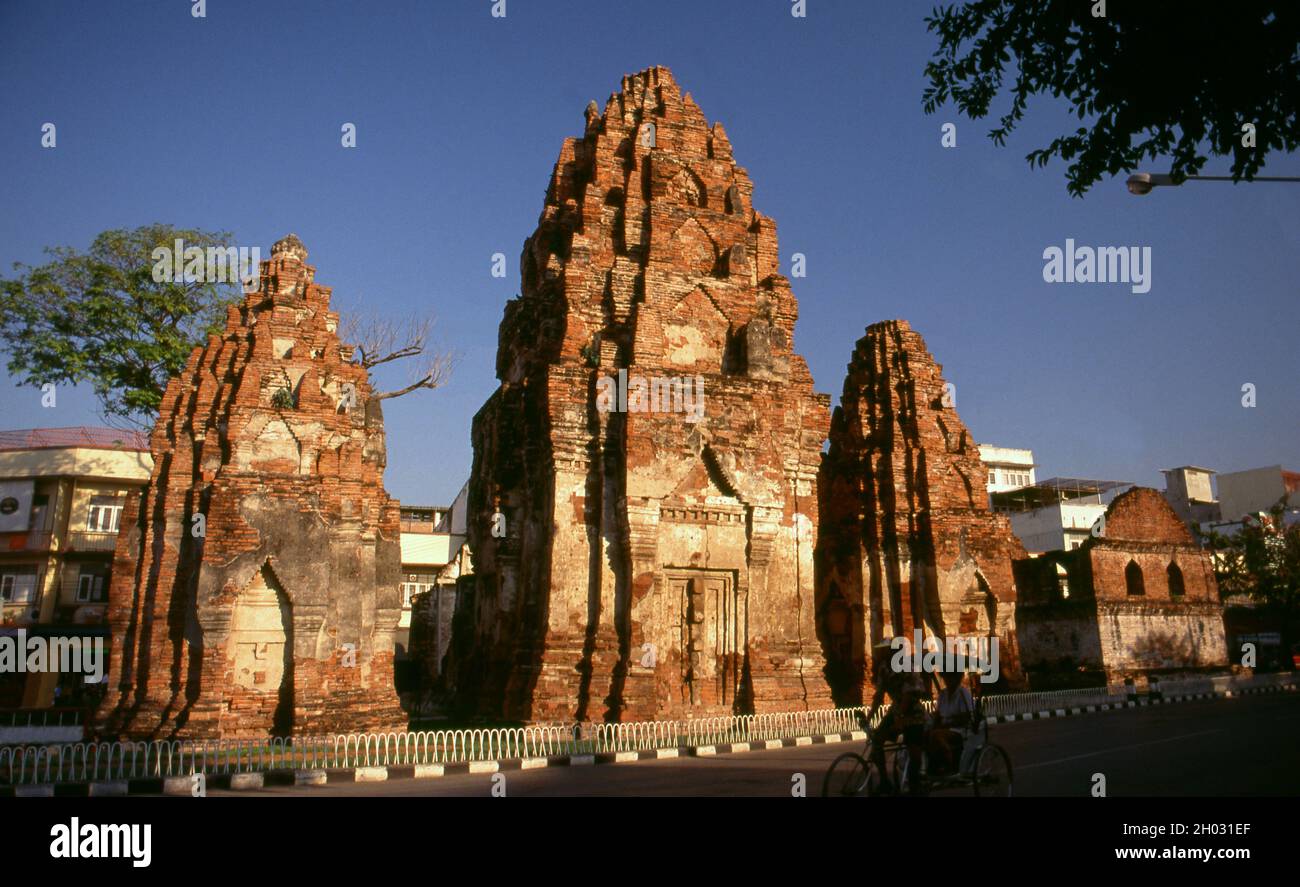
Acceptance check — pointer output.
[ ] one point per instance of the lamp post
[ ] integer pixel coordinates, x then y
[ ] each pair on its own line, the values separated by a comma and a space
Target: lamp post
1142, 182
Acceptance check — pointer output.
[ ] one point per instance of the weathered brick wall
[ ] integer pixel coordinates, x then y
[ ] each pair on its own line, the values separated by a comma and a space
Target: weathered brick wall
1158, 629
650, 258
907, 539
280, 618
432, 613
1129, 634
1056, 619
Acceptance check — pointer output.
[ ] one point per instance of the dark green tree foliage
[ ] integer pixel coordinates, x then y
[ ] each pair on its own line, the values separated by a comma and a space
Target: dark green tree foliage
1262, 562
1150, 78
100, 317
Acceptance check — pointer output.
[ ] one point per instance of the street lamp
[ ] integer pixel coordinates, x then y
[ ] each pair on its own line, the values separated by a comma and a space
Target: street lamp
1142, 182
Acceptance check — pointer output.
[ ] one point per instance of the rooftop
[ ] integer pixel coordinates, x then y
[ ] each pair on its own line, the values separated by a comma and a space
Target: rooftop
1053, 490
84, 436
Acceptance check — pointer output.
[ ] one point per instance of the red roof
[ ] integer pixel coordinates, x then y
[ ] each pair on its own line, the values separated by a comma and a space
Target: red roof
78, 436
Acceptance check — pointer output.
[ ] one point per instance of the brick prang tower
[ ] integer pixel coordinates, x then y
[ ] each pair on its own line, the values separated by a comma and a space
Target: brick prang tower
643, 562
907, 539
255, 581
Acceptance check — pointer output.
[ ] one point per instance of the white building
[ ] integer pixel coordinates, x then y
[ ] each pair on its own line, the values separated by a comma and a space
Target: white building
1258, 489
1189, 490
1058, 513
434, 554
1008, 468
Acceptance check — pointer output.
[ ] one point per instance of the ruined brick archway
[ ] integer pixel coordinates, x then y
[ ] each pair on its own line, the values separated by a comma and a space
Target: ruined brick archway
259, 657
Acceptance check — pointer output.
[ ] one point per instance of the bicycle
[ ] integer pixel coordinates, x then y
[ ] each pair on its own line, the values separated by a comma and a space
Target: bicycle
984, 767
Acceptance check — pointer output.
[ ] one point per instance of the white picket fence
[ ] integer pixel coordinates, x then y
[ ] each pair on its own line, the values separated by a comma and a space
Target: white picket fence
83, 762
88, 761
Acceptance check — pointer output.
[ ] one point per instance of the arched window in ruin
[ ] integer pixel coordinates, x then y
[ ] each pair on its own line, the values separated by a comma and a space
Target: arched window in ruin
1062, 583
1176, 586
1133, 579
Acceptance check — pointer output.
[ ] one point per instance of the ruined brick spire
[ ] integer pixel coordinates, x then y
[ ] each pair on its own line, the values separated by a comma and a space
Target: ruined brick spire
264, 544
649, 262
649, 199
291, 246
907, 538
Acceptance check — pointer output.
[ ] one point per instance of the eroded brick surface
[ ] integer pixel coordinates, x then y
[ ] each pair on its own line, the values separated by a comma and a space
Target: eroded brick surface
246, 630
651, 565
1139, 598
907, 539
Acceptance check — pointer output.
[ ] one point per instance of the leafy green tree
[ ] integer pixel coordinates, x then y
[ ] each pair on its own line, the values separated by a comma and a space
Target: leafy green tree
1152, 78
1262, 562
101, 317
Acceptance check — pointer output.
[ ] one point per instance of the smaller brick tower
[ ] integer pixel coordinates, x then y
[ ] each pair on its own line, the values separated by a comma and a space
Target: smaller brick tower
255, 583
907, 540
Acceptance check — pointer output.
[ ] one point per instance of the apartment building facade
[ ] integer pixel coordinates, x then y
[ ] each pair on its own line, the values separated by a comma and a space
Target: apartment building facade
62, 491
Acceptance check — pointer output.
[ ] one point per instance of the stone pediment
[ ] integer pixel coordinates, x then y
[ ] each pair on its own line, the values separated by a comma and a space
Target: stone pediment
703, 484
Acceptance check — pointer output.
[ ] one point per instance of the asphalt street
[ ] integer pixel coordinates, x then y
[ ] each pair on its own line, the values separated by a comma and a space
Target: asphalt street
1232, 747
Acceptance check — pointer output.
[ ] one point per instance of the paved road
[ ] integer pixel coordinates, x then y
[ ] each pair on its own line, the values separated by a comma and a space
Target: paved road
1235, 747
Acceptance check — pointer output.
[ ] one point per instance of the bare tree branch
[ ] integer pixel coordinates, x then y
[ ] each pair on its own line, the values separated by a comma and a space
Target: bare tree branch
383, 339
379, 340
436, 371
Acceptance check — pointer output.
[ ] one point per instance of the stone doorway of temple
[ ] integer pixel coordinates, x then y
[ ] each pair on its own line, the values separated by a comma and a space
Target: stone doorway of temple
261, 659
709, 631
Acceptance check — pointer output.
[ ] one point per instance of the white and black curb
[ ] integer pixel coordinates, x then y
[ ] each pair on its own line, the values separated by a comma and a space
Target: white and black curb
1140, 703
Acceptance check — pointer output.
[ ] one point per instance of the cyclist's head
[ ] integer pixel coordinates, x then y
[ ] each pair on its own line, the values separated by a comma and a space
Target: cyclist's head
880, 657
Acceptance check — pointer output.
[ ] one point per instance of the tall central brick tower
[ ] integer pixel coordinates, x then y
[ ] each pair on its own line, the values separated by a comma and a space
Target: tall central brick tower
638, 552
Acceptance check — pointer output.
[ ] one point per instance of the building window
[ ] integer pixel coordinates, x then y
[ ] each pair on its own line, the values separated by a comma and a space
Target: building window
92, 587
18, 587
416, 583
40, 511
104, 515
1176, 587
1133, 579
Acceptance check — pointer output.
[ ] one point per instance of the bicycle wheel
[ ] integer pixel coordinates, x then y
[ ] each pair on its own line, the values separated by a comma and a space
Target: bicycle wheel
992, 777
903, 781
848, 775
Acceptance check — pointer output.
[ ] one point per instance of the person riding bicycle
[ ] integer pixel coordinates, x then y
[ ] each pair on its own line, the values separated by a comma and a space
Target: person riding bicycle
953, 718
907, 691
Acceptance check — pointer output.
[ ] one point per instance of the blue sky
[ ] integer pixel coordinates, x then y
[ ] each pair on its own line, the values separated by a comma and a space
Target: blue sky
233, 122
